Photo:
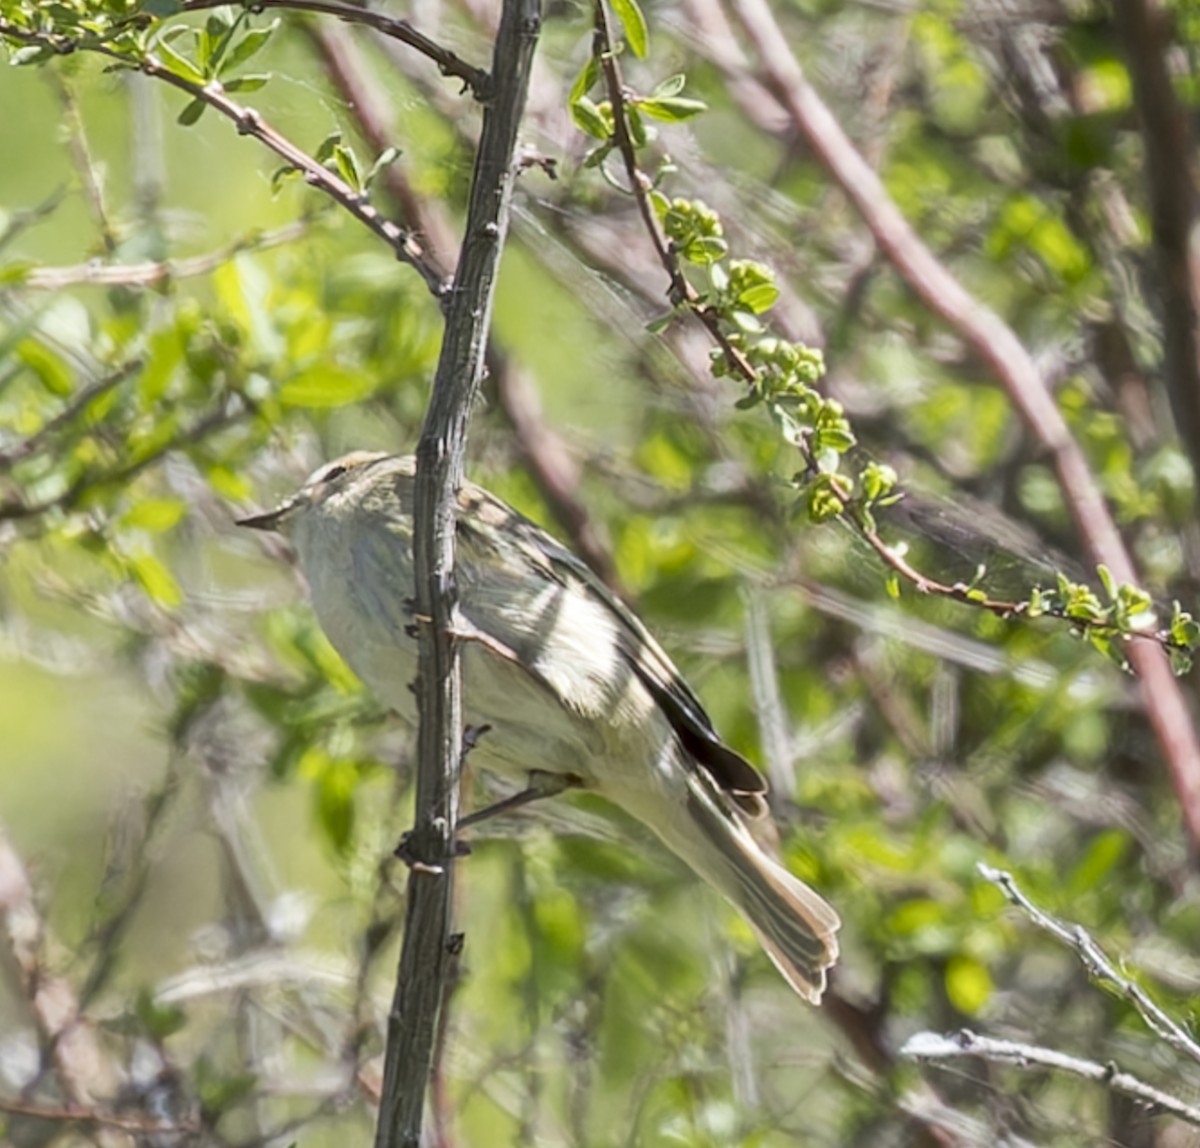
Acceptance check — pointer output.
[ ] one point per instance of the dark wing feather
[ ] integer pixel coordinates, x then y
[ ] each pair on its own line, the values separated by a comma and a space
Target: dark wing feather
678, 702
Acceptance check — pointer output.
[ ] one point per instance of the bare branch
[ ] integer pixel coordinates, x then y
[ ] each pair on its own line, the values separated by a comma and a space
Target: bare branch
931, 1046
154, 273
1099, 967
429, 946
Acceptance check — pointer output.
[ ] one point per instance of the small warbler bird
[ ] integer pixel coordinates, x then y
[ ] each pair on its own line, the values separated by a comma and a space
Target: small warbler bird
568, 681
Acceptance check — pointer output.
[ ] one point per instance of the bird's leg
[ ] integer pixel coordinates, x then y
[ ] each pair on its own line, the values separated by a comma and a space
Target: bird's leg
541, 784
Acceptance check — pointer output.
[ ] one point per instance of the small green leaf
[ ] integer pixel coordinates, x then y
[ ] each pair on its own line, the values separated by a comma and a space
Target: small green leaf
249, 45
248, 83
191, 113
759, 298
636, 32
585, 81
179, 65
588, 118
50, 368
347, 165
671, 86
672, 110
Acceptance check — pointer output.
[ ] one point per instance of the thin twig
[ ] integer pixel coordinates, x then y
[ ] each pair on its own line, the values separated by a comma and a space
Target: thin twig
85, 166
475, 79
69, 1043
927, 1046
229, 412
91, 1116
1099, 967
154, 273
22, 450
249, 122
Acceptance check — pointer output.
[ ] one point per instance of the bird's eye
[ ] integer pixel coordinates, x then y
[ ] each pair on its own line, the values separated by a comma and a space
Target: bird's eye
335, 471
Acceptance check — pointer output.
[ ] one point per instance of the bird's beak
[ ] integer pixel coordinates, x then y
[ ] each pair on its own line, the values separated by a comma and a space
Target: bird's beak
268, 520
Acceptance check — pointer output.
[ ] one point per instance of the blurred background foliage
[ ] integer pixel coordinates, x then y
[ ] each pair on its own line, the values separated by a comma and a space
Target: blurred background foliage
203, 799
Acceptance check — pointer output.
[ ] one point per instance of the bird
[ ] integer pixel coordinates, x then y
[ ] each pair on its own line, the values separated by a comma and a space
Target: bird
569, 685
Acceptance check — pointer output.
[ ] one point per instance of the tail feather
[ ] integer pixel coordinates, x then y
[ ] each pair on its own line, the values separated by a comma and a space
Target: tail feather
795, 925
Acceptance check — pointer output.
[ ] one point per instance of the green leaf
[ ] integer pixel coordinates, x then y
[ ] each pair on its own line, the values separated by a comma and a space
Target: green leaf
585, 81
347, 165
191, 113
325, 386
759, 298
50, 368
588, 118
179, 65
671, 86
636, 32
249, 45
673, 109
248, 83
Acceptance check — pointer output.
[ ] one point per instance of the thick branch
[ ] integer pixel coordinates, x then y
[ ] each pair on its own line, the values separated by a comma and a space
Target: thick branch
428, 943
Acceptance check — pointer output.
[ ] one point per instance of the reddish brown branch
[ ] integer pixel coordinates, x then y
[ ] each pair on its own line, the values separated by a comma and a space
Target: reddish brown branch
996, 344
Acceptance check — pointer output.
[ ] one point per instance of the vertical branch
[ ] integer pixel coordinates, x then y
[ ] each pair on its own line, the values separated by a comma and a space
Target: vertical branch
1170, 172
428, 944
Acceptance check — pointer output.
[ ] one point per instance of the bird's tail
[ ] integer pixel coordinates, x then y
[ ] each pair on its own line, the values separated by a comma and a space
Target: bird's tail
794, 924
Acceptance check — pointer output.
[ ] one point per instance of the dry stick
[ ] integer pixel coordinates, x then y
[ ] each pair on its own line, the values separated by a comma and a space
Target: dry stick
1170, 179
994, 341
933, 1046
427, 951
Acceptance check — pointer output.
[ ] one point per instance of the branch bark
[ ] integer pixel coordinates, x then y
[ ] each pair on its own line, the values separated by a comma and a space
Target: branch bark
428, 942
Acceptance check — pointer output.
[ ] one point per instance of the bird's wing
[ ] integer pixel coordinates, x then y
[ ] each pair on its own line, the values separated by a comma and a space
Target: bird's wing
644, 656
